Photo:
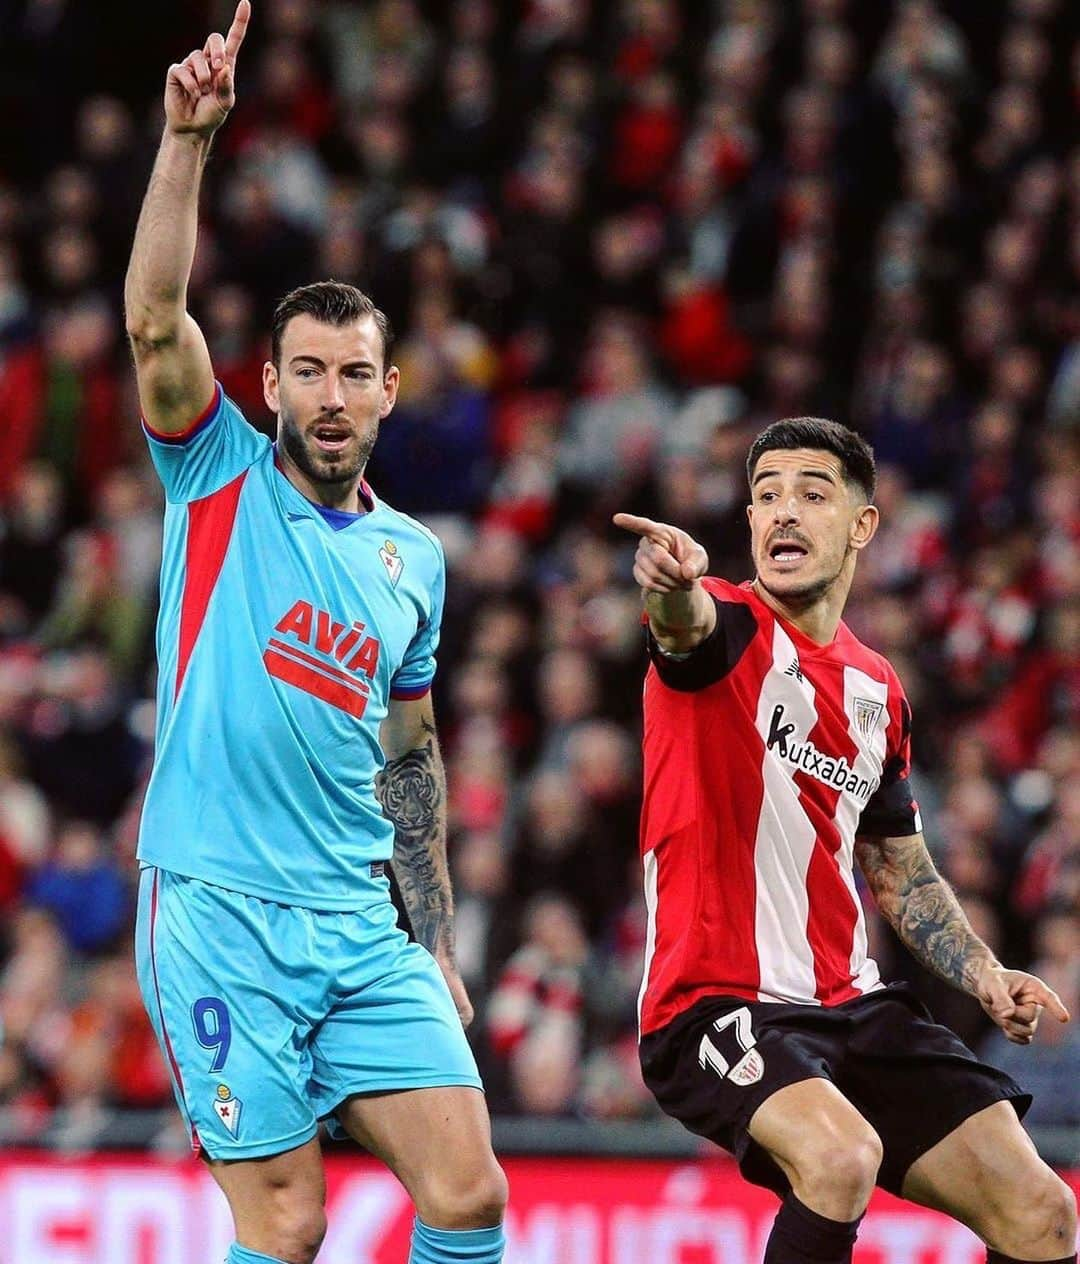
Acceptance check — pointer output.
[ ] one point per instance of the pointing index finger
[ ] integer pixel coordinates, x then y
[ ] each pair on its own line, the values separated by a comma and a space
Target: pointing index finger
237, 31
640, 526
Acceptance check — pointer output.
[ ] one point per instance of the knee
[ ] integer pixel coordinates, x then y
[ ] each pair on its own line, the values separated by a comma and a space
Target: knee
1042, 1214
297, 1227
839, 1172
464, 1200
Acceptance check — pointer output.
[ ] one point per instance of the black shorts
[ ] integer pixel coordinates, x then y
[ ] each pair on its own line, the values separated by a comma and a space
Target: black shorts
911, 1079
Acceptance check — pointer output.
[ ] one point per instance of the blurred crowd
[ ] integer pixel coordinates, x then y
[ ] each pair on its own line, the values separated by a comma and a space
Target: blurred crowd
615, 238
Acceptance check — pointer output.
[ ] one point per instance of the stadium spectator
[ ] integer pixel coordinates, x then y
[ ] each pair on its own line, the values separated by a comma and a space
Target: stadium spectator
616, 240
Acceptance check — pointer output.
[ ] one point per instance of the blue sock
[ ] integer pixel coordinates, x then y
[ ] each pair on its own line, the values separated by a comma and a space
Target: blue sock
241, 1255
455, 1246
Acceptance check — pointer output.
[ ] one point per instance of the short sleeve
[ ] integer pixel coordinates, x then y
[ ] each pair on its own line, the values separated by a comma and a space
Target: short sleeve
714, 657
217, 446
413, 678
892, 811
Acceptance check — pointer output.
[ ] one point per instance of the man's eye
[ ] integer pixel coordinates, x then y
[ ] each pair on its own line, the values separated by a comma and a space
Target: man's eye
814, 496
305, 373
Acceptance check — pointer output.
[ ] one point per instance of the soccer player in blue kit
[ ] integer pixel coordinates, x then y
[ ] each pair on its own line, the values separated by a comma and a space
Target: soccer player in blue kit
296, 756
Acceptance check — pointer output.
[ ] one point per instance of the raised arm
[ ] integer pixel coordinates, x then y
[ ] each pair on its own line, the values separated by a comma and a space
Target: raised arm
172, 364
668, 567
924, 911
412, 791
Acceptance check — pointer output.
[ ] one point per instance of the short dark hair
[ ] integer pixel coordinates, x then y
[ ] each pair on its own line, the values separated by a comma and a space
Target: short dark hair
856, 455
334, 303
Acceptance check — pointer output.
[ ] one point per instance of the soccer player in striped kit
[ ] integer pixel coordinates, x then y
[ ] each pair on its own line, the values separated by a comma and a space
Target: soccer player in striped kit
776, 756
295, 757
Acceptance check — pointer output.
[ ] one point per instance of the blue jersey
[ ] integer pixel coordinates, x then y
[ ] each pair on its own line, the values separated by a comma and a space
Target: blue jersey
280, 642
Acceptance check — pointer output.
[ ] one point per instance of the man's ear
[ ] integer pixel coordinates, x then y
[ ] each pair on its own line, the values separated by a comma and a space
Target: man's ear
270, 388
864, 526
391, 382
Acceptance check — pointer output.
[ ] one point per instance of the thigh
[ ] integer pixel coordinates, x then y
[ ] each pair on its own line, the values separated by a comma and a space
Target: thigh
227, 1011
265, 1195
979, 1171
432, 1139
392, 1025
915, 1080
716, 1066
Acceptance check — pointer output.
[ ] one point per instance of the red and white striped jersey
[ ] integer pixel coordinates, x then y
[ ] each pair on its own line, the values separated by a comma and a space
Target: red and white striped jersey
765, 755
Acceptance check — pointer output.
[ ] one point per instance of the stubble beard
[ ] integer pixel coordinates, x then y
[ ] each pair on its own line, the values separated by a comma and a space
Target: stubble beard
813, 591
318, 468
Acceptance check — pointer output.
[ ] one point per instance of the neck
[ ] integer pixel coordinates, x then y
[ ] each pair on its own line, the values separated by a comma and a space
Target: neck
345, 496
815, 617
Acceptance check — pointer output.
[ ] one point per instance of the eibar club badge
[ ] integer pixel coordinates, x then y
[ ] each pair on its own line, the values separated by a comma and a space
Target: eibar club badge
227, 1108
392, 561
867, 714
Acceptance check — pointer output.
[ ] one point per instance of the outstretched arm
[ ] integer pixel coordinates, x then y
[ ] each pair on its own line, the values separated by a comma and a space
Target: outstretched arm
172, 363
412, 791
924, 911
668, 566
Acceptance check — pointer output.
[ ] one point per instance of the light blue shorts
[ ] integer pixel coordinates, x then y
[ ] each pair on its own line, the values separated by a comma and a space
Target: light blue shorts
271, 1015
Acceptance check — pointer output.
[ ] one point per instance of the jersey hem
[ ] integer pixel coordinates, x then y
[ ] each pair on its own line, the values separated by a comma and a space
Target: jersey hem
260, 1149
354, 1089
406, 694
322, 904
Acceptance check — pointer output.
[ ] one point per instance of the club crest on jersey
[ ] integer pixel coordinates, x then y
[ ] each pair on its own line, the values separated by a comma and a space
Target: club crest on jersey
867, 714
831, 770
391, 559
227, 1108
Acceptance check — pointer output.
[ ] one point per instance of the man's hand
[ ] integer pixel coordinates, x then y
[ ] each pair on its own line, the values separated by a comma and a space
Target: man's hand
1014, 1000
457, 988
667, 559
199, 90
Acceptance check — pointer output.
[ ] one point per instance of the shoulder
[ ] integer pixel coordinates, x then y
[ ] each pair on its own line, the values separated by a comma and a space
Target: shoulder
858, 654
408, 530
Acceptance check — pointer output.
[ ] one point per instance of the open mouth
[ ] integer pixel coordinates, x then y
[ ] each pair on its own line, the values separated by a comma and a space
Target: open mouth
331, 439
787, 551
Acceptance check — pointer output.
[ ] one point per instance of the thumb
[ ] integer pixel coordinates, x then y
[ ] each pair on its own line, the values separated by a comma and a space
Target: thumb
999, 998
225, 84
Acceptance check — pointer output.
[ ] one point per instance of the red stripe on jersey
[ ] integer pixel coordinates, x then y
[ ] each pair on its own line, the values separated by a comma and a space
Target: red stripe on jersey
830, 926
346, 698
210, 528
292, 652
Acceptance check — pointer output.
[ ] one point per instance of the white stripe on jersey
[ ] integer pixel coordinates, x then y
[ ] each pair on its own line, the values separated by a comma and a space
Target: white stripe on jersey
785, 840
868, 763
650, 925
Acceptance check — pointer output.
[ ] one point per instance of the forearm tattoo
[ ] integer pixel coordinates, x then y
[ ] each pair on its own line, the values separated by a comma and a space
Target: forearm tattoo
924, 912
412, 791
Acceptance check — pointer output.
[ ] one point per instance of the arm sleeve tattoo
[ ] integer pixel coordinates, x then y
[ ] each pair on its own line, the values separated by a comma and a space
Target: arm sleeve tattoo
412, 791
923, 910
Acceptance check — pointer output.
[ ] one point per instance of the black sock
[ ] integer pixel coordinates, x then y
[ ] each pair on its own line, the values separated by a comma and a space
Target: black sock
801, 1236
995, 1257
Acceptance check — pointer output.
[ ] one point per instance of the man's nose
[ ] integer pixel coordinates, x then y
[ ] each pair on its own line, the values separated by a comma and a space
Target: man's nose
787, 511
333, 396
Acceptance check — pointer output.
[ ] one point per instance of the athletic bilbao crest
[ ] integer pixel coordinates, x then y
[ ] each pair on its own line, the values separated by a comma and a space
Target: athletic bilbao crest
730, 1049
867, 714
227, 1108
